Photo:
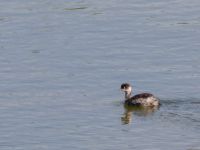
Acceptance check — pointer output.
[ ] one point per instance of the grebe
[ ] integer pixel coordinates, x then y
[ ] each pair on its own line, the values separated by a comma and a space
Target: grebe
143, 99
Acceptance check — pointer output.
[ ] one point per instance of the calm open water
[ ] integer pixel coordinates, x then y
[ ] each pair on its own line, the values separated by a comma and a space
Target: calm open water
62, 63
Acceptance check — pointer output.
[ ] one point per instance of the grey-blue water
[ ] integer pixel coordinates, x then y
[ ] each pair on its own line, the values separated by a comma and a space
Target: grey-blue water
62, 63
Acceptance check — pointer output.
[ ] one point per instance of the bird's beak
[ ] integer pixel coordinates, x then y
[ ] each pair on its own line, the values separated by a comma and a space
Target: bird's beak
122, 90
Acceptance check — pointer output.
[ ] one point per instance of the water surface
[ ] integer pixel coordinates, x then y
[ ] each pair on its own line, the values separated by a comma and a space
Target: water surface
62, 63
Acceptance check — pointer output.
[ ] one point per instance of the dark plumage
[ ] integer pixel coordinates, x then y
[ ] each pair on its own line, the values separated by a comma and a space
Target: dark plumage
142, 95
125, 86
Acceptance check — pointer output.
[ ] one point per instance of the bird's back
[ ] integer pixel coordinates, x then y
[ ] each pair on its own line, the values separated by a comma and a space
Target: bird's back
143, 99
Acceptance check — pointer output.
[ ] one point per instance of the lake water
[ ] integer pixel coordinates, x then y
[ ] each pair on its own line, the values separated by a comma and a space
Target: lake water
62, 64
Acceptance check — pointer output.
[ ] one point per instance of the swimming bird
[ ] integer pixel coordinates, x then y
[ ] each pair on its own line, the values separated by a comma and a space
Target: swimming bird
143, 99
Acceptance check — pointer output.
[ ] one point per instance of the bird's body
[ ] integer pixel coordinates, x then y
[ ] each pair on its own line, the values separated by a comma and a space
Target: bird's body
143, 99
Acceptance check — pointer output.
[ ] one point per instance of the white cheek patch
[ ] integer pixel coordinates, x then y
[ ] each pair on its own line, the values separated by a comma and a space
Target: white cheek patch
129, 89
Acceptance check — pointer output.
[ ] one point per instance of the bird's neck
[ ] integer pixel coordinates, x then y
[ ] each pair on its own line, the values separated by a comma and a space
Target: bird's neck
127, 95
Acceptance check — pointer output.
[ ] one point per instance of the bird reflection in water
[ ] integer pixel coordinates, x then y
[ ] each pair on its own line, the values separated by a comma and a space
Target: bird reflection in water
136, 110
